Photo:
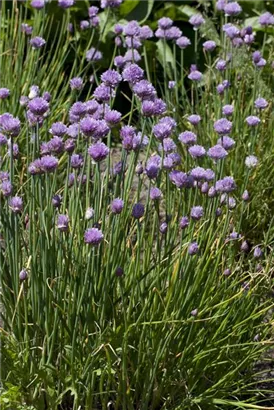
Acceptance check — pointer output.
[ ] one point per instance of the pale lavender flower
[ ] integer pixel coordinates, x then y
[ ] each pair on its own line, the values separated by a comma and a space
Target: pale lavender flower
198, 173
132, 28
93, 236
196, 21
9, 125
25, 28
73, 130
181, 179
23, 275
132, 56
63, 223
84, 25
16, 204
251, 161
23, 101
228, 110
117, 205
226, 142
211, 192
98, 151
193, 248
103, 93
261, 103
93, 11
168, 145
171, 85
37, 42
133, 73
93, 55
194, 119
195, 75
3, 140
4, 93
226, 185
119, 61
258, 253
256, 56
188, 137
145, 33
223, 126
204, 188
144, 90
56, 145
266, 19
138, 210
231, 202
231, 31
217, 152
65, 4
6, 188
48, 163
227, 272
209, 45
89, 214
76, 83
58, 129
38, 4
110, 3
111, 78
196, 213
173, 33
197, 151
151, 108
165, 23
163, 228
184, 222
76, 161
155, 194
183, 42
245, 196
252, 120
221, 65
261, 63
38, 106
35, 167
232, 9
113, 117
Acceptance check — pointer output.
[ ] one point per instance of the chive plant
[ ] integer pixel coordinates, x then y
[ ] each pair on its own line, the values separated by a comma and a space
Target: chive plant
136, 248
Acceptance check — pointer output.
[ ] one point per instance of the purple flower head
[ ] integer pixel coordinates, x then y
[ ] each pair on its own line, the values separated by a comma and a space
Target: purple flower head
155, 194
48, 163
163, 129
256, 56
92, 106
56, 201
92, 11
251, 161
145, 33
71, 180
4, 93
144, 90
56, 145
204, 187
138, 210
153, 167
183, 42
25, 28
65, 4
132, 29
89, 213
261, 103
258, 253
184, 222
103, 93
232, 9
211, 192
173, 33
228, 110
151, 108
231, 202
188, 137
84, 25
46, 95
110, 3
245, 196
38, 4
223, 126
58, 129
209, 45
261, 63
6, 188
171, 85
168, 145
118, 29
113, 117
98, 151
165, 23
193, 248
196, 20
16, 204
37, 42
226, 185
195, 75
227, 272
119, 61
76, 161
194, 119
23, 101
133, 73
88, 126
181, 180
119, 272
226, 142
73, 130
111, 78
9, 125
132, 56
93, 236
3, 140
4, 176
117, 205
221, 65
266, 19
198, 173
63, 223
23, 275
197, 151
231, 31
163, 228
35, 167
220, 5
217, 152
197, 212
38, 106
76, 83
245, 247
252, 120
93, 55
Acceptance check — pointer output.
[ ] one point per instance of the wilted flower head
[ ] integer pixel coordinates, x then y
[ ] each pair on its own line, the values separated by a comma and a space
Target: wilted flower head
93, 236
251, 161
37, 42
63, 223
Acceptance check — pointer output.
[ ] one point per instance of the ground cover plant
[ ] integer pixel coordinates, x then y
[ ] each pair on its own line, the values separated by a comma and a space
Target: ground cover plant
136, 203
